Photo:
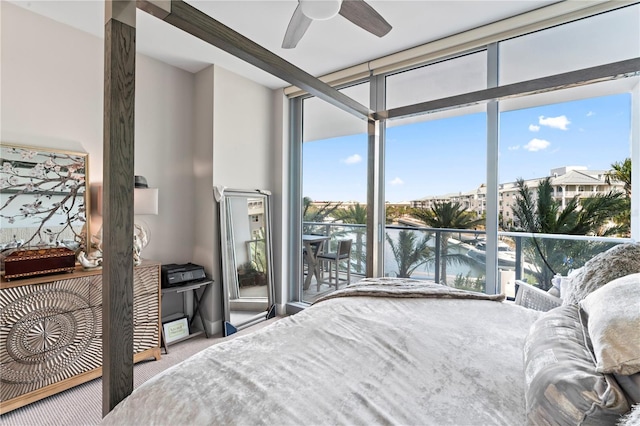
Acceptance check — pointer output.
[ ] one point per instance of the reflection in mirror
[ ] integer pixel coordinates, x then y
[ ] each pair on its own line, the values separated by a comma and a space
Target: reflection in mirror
247, 276
42, 198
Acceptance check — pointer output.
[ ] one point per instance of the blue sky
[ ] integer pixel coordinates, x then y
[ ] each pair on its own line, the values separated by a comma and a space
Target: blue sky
449, 155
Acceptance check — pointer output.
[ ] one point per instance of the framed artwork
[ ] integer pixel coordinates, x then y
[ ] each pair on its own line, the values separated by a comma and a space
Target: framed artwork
43, 198
175, 330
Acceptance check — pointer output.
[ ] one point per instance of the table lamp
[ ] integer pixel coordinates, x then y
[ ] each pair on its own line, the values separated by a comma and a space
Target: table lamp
145, 202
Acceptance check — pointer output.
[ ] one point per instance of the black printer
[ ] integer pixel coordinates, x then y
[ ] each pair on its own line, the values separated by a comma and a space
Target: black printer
174, 274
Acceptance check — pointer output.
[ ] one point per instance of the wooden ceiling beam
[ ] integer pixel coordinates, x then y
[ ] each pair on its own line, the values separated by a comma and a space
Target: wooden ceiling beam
193, 21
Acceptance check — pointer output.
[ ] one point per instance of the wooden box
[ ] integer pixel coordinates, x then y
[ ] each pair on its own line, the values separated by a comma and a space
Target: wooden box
24, 263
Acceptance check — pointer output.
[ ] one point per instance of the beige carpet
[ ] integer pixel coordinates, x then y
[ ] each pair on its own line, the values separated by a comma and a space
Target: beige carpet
82, 405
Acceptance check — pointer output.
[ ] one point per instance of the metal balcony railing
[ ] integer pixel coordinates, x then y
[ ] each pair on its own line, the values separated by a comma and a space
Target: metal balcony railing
535, 258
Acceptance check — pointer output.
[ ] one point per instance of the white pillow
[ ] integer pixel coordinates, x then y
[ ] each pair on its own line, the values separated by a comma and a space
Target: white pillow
614, 325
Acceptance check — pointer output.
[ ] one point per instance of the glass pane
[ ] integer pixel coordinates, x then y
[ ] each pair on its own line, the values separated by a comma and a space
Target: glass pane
558, 175
318, 113
447, 78
435, 178
598, 40
334, 188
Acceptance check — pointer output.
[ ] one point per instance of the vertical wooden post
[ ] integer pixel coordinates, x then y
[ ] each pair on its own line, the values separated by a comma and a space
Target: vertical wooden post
118, 176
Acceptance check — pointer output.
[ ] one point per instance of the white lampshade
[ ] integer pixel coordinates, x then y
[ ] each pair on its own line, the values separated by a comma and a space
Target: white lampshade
145, 201
320, 9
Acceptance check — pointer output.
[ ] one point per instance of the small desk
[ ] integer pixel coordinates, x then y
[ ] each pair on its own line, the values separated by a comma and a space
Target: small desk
311, 252
181, 289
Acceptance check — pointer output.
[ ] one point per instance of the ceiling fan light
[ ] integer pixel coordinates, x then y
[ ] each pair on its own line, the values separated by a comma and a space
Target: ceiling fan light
320, 9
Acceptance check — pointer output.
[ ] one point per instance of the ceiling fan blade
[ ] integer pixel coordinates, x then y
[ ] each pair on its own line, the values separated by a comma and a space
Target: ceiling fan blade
296, 29
363, 15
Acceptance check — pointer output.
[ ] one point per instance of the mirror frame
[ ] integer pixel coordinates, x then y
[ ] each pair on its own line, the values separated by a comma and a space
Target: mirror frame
229, 265
22, 176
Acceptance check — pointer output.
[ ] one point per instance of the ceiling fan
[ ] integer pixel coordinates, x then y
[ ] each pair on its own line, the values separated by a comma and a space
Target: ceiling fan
357, 11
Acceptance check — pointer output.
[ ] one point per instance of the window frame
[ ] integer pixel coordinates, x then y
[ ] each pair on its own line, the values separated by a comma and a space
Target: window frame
491, 97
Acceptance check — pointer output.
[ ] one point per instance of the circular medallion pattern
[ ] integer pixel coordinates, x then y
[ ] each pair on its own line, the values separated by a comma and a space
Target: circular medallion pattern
49, 330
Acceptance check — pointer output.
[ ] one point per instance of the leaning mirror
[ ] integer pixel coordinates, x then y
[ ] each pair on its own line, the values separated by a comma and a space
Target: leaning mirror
247, 273
43, 198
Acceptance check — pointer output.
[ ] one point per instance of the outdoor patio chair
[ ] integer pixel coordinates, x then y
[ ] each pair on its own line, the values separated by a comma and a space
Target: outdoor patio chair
342, 253
318, 248
534, 298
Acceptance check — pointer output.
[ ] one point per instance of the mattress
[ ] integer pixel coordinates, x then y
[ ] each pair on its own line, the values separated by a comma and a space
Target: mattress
383, 351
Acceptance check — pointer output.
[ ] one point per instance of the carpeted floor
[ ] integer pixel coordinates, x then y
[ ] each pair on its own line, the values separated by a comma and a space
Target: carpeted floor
82, 405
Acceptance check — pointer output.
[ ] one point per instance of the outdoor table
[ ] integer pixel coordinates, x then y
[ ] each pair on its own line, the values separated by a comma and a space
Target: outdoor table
312, 244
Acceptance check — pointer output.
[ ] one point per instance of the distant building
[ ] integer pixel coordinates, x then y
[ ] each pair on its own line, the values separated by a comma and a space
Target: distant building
567, 182
475, 200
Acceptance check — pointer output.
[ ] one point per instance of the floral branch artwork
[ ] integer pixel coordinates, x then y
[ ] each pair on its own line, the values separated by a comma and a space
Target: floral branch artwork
43, 190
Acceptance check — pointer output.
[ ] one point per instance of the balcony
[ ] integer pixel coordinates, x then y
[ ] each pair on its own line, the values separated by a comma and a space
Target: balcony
571, 194
336, 231
457, 257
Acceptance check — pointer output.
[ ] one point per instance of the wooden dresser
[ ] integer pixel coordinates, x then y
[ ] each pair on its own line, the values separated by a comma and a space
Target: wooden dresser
51, 331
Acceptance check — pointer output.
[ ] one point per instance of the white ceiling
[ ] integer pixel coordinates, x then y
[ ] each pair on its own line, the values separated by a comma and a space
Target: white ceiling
326, 47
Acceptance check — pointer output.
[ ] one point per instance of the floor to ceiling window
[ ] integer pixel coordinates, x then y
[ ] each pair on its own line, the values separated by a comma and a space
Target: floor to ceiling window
597, 40
435, 169
563, 147
334, 190
564, 153
450, 172
435, 178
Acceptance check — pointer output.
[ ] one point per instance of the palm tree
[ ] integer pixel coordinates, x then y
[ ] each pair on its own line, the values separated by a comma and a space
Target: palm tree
394, 212
410, 253
318, 214
448, 215
620, 172
544, 214
355, 214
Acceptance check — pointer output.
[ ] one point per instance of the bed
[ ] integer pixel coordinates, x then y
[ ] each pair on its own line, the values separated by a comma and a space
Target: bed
408, 352
382, 351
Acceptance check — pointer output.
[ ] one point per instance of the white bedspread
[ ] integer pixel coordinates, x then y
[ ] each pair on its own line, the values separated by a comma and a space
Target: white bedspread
366, 360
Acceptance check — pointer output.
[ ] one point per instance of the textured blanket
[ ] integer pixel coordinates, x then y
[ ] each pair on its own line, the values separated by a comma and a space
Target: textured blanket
352, 361
406, 287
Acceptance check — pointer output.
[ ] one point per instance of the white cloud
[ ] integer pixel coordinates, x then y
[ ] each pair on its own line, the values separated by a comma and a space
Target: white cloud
559, 122
397, 181
533, 128
353, 159
590, 113
537, 145
513, 148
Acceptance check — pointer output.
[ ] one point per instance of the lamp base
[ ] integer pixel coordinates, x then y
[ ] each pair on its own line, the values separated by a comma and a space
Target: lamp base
140, 241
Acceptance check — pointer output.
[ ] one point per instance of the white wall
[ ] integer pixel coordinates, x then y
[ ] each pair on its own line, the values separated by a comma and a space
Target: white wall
164, 118
52, 96
206, 246
234, 149
52, 86
192, 132
242, 132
